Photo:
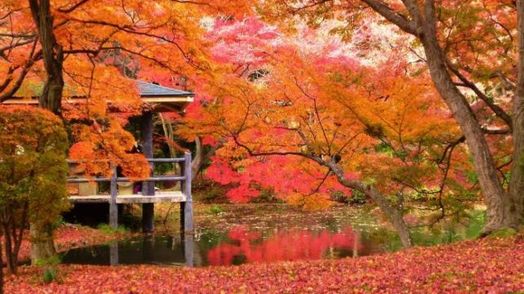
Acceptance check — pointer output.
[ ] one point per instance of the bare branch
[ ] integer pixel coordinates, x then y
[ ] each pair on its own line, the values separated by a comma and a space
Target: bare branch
73, 7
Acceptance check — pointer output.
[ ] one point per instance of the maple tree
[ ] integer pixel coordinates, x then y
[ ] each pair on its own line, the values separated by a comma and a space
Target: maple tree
469, 48
315, 122
286, 110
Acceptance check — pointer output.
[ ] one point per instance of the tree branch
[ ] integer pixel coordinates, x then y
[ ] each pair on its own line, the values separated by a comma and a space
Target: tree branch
404, 24
467, 83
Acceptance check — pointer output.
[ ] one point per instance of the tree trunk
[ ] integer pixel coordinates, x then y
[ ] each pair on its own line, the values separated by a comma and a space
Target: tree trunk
11, 267
393, 213
42, 245
52, 55
196, 164
498, 203
516, 186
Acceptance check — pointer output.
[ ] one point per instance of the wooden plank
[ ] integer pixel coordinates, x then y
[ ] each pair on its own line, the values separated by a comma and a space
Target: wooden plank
172, 196
164, 197
154, 179
90, 199
168, 160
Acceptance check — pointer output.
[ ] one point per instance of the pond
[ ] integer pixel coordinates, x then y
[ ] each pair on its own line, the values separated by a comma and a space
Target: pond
309, 238
236, 246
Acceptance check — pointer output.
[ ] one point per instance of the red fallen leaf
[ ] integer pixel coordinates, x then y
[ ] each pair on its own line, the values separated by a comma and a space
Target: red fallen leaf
482, 266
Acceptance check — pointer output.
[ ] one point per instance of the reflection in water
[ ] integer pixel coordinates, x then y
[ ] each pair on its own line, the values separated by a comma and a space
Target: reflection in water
240, 245
237, 246
164, 250
248, 247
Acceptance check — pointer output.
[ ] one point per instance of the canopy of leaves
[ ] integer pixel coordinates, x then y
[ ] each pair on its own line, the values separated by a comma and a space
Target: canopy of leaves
105, 45
383, 124
33, 170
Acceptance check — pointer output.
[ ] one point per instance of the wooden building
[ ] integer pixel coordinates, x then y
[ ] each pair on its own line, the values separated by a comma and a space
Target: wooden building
159, 99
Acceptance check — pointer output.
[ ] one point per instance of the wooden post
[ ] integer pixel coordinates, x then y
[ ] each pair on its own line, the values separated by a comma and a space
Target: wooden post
186, 208
356, 243
113, 207
148, 188
189, 249
113, 253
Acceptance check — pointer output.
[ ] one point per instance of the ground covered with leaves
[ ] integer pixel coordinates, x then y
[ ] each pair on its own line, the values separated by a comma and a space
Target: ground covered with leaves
485, 266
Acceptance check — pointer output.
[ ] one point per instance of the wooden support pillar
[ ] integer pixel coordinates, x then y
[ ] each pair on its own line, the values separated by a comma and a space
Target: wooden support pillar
356, 243
113, 206
186, 213
189, 249
148, 188
186, 208
113, 253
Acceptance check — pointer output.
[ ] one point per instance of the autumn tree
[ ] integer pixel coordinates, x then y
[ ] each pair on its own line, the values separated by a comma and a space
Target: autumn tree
32, 176
308, 122
469, 50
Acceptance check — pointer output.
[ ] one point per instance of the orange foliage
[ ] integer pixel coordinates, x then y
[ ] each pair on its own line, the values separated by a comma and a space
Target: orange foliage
106, 43
384, 124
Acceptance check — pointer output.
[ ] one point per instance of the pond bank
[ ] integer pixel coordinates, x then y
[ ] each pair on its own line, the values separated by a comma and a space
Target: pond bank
68, 236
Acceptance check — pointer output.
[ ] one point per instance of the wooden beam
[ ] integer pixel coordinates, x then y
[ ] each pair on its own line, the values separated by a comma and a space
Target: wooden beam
168, 196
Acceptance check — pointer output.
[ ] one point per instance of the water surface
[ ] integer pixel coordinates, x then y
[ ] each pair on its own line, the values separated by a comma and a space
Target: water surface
237, 246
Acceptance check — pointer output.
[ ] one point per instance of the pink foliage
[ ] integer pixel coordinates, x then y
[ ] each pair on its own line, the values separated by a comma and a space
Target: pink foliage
282, 174
242, 42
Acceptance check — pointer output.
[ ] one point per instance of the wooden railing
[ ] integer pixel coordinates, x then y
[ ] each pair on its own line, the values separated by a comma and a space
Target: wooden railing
186, 205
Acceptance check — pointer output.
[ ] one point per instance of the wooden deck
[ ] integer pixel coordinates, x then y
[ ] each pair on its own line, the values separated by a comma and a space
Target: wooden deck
148, 196
171, 196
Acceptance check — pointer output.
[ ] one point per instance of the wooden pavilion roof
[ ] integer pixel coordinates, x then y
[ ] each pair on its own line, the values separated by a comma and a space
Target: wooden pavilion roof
160, 98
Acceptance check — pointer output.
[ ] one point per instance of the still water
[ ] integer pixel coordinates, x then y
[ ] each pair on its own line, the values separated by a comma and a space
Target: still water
245, 244
237, 246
